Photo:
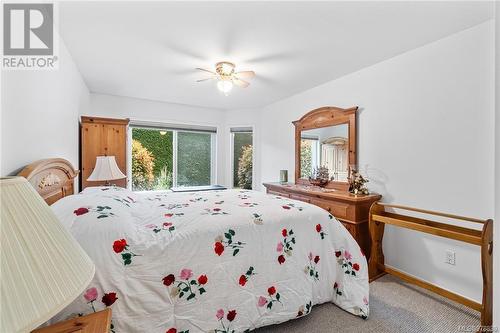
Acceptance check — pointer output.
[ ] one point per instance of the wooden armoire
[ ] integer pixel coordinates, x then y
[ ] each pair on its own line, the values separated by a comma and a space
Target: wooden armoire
102, 137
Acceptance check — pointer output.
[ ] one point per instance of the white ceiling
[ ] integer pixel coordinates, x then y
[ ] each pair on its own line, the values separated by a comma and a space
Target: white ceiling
150, 49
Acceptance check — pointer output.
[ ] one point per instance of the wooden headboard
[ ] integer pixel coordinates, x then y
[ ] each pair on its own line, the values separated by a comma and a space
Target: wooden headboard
52, 178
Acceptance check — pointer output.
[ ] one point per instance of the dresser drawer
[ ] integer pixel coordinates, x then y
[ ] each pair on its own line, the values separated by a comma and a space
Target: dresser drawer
300, 197
281, 194
337, 209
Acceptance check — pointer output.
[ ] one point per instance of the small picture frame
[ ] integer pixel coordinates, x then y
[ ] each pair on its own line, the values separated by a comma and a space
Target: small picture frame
283, 176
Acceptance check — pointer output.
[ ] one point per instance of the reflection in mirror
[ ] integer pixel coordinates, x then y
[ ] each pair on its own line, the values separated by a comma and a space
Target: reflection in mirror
328, 147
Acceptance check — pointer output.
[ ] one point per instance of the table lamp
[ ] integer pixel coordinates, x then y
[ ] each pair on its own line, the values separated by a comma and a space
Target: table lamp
106, 169
43, 268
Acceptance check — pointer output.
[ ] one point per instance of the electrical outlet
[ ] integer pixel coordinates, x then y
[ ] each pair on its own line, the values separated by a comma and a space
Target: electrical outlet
450, 257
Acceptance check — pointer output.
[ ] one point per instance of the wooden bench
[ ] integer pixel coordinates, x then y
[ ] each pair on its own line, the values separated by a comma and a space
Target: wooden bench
379, 217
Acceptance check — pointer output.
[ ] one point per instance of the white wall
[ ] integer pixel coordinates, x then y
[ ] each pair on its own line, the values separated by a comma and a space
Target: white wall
496, 229
39, 117
426, 134
147, 110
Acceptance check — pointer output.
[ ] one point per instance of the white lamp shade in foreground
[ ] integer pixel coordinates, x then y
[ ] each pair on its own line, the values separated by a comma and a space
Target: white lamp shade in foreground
106, 169
43, 268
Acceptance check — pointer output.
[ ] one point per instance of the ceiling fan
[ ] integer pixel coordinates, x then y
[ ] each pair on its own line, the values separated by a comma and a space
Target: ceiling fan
226, 76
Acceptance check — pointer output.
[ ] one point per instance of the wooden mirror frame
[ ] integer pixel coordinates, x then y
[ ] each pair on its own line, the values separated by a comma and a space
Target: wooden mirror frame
324, 117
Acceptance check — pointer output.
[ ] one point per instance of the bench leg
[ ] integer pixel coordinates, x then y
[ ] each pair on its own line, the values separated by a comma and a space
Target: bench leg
487, 269
376, 253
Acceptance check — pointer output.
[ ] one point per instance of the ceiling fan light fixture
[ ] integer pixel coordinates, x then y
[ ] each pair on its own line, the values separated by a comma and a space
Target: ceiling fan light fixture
225, 86
227, 77
225, 68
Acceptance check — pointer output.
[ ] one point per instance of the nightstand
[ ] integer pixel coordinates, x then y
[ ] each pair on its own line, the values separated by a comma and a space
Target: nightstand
98, 322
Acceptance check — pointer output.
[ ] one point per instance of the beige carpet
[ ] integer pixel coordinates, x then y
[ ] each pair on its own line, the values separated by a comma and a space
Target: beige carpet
394, 307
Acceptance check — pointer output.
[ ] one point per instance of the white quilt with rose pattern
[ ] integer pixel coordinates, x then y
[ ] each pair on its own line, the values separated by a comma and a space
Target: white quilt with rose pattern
217, 261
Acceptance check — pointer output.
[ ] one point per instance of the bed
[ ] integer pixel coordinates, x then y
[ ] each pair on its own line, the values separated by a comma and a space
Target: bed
214, 261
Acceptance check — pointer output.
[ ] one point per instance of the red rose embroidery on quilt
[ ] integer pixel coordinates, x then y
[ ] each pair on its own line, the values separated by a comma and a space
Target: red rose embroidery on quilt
119, 245
109, 298
202, 279
231, 315
243, 280
169, 279
285, 246
227, 241
281, 259
218, 248
274, 296
81, 211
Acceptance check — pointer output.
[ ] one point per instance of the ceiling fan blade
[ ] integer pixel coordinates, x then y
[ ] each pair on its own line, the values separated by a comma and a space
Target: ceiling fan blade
240, 83
206, 70
245, 74
208, 78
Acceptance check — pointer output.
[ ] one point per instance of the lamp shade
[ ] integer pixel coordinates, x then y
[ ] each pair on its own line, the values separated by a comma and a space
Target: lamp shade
106, 169
43, 268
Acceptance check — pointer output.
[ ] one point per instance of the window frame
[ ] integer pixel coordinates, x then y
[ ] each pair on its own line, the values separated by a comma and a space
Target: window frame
231, 151
172, 128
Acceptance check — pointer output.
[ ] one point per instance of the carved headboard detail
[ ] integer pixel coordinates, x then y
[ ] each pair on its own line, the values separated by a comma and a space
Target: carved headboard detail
52, 178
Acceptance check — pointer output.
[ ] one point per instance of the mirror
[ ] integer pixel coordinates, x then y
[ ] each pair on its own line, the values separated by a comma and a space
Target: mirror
327, 147
325, 137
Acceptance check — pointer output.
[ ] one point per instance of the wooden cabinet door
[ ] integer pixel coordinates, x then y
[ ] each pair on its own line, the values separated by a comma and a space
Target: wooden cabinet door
92, 146
101, 137
115, 144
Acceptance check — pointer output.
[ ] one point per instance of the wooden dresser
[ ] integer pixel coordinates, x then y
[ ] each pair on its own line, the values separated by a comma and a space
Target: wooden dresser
352, 210
102, 137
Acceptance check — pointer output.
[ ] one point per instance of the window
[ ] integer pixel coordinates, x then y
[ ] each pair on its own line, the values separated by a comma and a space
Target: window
242, 157
194, 156
309, 156
170, 157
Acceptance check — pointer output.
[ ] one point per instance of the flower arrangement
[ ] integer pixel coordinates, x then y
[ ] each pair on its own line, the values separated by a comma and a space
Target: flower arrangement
311, 269
186, 285
257, 219
174, 330
357, 183
285, 246
344, 260
120, 246
274, 297
231, 315
319, 230
244, 277
304, 310
336, 288
227, 241
107, 299
102, 211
